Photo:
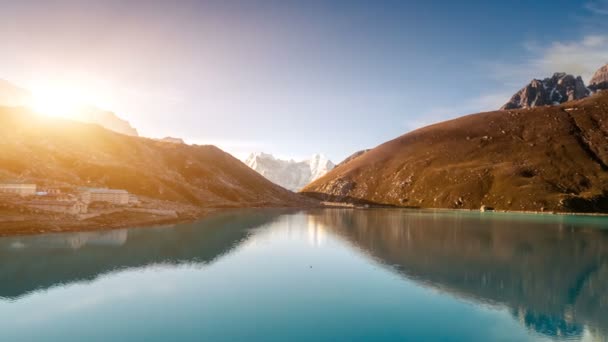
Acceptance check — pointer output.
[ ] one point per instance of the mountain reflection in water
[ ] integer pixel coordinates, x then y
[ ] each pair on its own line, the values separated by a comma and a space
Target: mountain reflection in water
39, 262
551, 271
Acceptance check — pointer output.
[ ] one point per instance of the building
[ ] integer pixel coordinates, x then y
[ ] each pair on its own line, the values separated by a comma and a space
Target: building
18, 189
133, 199
113, 196
51, 191
64, 207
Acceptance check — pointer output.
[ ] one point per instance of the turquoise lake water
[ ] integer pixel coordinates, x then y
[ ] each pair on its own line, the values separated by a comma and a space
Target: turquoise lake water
318, 275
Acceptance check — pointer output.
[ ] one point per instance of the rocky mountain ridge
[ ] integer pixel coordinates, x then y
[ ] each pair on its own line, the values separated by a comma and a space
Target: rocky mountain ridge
599, 81
557, 89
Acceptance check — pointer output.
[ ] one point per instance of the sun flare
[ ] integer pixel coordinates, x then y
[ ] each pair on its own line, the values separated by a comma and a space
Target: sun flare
57, 100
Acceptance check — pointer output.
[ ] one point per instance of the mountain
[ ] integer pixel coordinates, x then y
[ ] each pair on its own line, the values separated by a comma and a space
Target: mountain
12, 95
552, 158
58, 152
15, 96
557, 89
172, 140
599, 81
289, 174
106, 119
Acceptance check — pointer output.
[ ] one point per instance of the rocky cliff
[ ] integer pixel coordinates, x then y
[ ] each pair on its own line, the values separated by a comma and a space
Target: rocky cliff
599, 81
557, 89
554, 90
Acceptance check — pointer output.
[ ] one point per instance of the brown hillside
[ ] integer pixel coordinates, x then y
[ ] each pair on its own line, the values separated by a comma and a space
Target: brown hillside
66, 153
545, 158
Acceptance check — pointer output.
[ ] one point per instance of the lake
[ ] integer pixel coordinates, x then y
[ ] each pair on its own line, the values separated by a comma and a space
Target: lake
320, 275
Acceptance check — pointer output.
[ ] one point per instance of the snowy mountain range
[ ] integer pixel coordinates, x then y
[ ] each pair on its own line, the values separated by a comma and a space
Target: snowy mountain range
290, 174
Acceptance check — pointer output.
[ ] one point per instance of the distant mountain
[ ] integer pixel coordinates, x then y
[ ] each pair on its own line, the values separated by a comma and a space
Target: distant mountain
12, 95
599, 81
15, 96
554, 90
107, 120
289, 174
557, 89
172, 140
58, 152
552, 158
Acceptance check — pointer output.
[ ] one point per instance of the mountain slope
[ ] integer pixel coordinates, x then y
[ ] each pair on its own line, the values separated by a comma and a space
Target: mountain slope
544, 158
67, 153
289, 174
353, 156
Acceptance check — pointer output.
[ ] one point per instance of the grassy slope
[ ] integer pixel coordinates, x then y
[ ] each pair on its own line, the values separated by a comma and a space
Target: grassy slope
548, 157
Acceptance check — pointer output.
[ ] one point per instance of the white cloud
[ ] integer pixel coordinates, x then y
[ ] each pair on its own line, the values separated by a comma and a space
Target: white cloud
598, 7
579, 58
582, 57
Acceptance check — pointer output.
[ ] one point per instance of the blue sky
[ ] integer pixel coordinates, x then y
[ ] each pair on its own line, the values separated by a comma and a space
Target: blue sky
295, 78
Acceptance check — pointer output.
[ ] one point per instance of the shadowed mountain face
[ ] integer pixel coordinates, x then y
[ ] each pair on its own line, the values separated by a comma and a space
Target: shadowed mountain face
40, 262
552, 276
544, 158
67, 153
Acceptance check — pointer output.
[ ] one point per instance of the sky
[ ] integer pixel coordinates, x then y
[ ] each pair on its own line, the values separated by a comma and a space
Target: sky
293, 78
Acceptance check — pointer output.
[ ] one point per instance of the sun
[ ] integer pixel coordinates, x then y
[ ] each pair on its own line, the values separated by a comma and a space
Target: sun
57, 100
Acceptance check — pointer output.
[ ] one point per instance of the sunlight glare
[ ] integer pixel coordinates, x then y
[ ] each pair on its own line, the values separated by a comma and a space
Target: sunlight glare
57, 100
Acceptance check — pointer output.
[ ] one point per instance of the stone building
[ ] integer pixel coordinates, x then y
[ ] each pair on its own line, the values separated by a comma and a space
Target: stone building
113, 196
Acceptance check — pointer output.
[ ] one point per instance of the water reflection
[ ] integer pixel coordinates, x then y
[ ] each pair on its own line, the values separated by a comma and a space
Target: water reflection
38, 262
552, 272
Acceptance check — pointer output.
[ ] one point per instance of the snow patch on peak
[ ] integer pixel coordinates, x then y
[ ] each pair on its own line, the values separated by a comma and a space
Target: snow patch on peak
319, 166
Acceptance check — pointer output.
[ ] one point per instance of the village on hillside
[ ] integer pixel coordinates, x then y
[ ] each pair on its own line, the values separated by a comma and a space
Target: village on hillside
80, 202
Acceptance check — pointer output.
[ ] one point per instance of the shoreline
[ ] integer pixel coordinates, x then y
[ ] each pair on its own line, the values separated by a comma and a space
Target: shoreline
346, 205
42, 225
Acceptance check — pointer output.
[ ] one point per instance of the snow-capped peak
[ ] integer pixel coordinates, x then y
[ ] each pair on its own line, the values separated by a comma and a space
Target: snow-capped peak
290, 174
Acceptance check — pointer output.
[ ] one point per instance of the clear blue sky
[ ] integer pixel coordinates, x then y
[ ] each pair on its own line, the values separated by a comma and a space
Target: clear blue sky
294, 78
